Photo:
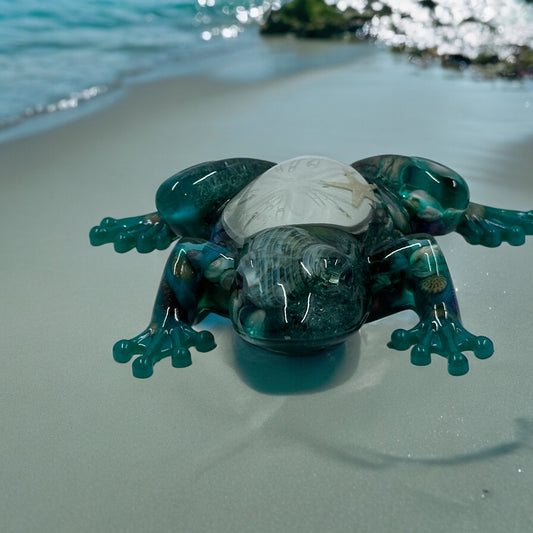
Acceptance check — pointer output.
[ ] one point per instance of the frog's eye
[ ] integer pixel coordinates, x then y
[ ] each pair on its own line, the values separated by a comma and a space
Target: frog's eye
332, 271
336, 269
439, 182
325, 266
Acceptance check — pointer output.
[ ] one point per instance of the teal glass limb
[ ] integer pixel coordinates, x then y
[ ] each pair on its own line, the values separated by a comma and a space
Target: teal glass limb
145, 233
490, 226
195, 280
411, 273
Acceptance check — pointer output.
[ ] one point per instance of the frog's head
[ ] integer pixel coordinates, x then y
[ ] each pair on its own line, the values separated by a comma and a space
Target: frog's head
435, 196
293, 294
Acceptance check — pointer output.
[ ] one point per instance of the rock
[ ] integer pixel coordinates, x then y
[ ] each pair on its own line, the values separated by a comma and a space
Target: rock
458, 61
317, 19
519, 65
428, 3
314, 18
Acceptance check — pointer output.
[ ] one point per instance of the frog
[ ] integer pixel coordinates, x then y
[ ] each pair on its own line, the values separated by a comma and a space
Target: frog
300, 254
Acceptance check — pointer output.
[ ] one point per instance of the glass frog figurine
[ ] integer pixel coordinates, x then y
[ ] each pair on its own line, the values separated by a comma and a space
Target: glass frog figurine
299, 255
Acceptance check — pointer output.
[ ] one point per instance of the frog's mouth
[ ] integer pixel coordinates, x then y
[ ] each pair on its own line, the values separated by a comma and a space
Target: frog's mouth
276, 330
291, 346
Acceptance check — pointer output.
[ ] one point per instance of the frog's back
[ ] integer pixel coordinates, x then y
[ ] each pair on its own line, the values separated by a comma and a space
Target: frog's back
309, 190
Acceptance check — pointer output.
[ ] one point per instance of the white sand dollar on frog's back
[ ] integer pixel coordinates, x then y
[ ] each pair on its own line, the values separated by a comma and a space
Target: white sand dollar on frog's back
309, 190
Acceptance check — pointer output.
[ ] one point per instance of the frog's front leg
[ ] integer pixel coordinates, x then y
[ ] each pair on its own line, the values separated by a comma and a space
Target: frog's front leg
195, 281
411, 273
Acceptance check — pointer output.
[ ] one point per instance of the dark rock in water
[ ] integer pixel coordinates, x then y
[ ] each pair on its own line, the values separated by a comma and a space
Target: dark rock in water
469, 41
458, 61
314, 18
520, 65
516, 66
487, 59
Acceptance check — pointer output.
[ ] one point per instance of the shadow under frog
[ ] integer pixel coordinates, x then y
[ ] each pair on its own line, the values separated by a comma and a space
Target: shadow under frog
302, 373
299, 255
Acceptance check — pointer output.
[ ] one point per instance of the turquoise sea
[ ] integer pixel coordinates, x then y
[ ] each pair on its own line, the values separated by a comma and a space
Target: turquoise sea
56, 55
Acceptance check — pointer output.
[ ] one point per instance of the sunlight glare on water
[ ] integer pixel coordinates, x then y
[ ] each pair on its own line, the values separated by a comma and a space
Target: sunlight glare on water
466, 27
54, 56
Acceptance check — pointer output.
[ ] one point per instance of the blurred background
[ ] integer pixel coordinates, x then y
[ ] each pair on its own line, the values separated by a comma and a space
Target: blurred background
57, 56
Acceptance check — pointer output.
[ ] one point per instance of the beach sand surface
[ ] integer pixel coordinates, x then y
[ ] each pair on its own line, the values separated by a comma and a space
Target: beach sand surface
354, 440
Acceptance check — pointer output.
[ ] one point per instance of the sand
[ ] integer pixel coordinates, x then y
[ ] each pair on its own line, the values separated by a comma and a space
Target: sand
357, 441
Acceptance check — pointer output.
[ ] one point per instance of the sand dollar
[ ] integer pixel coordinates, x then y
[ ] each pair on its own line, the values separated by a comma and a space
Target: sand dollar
307, 190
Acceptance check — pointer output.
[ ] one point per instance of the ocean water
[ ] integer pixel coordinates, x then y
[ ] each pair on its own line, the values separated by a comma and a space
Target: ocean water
56, 55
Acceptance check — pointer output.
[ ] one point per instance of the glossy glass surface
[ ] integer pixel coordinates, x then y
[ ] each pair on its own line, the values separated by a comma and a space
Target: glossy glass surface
301, 254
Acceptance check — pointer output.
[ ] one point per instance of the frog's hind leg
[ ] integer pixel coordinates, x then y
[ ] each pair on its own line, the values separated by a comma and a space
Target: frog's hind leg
490, 226
427, 197
188, 204
195, 281
192, 200
144, 232
422, 196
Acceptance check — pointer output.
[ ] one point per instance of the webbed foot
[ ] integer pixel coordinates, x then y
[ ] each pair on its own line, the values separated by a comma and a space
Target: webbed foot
145, 232
444, 336
490, 226
156, 342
